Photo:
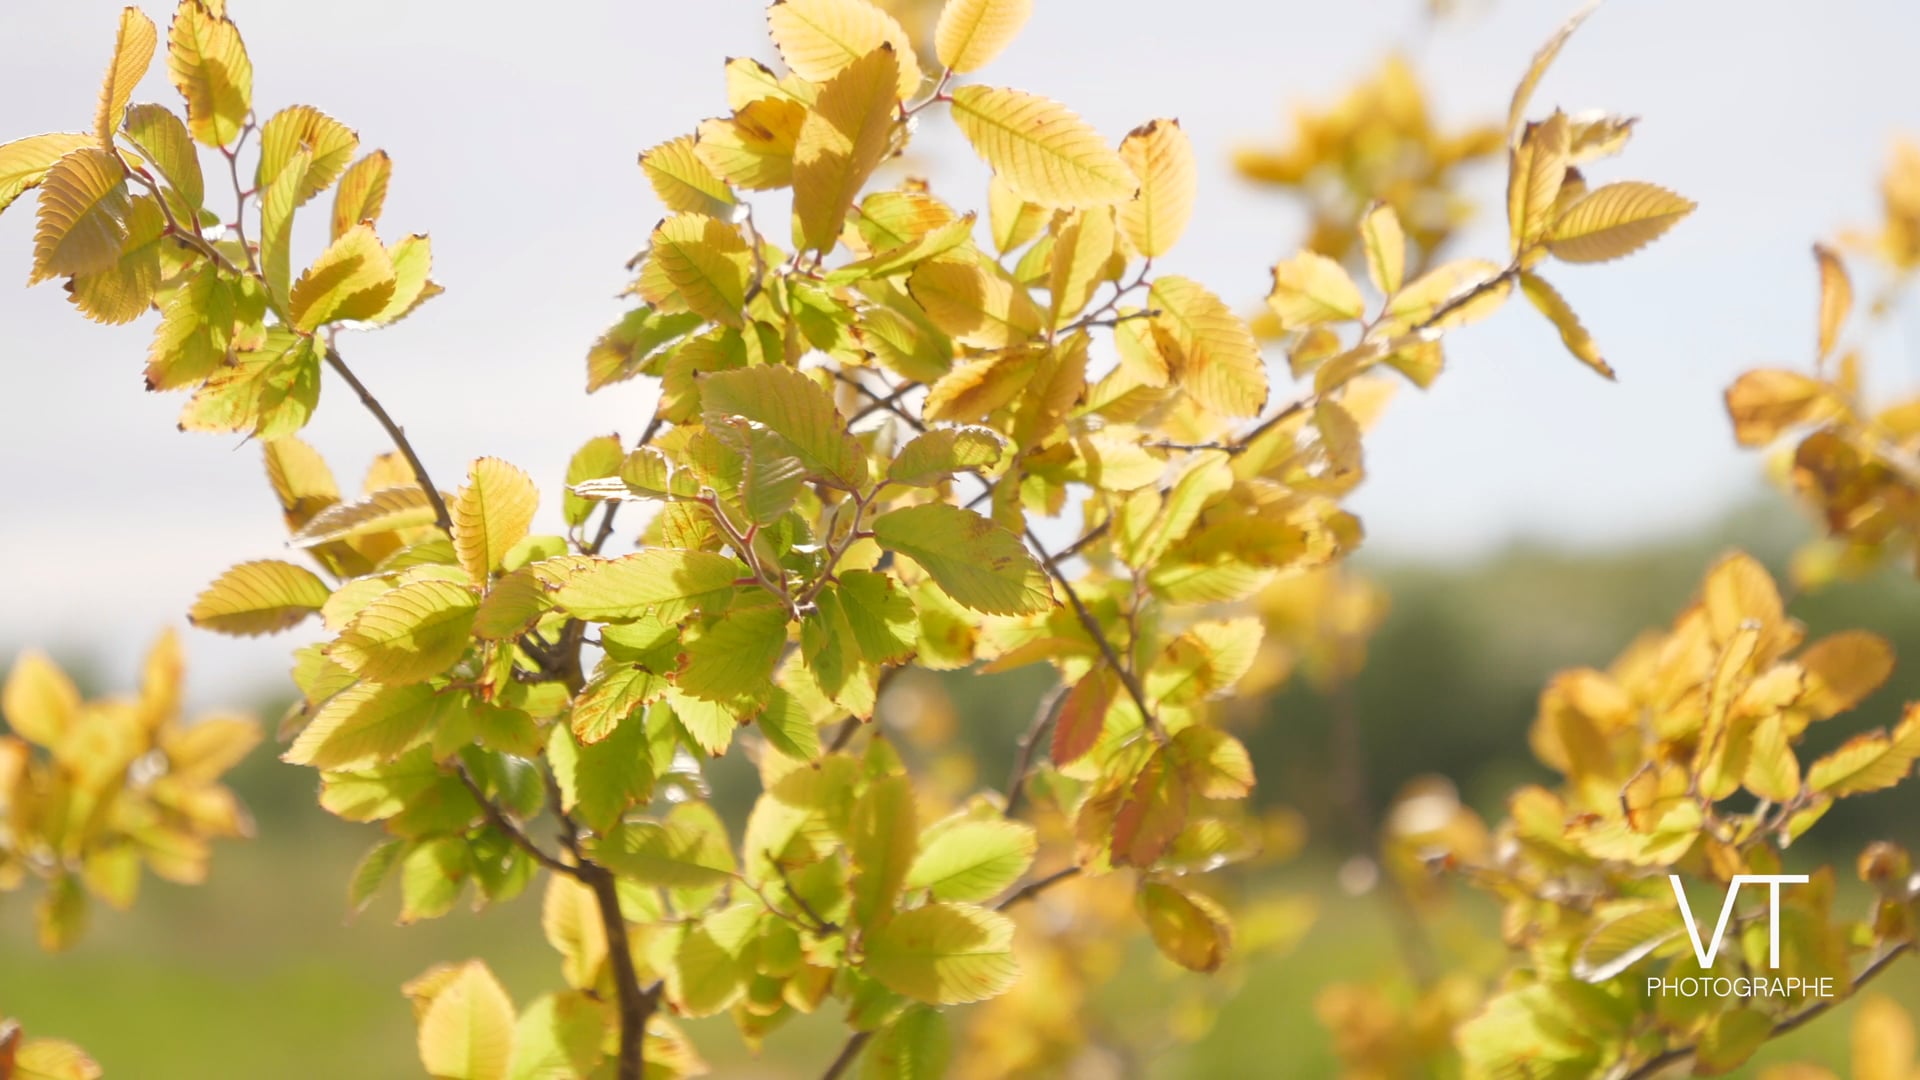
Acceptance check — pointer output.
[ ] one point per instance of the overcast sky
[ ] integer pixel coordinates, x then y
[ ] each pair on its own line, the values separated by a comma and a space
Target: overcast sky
514, 130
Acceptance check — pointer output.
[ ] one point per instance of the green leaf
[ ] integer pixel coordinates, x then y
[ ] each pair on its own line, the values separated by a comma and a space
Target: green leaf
408, 633
352, 279
163, 140
278, 201
937, 455
944, 954
882, 838
914, 1046
208, 65
676, 854
600, 781
766, 474
263, 597
973, 860
662, 582
432, 876
706, 964
735, 656
269, 392
880, 614
597, 458
559, 1036
372, 872
1730, 1039
610, 697
973, 560
364, 725
490, 515
467, 1030
792, 405
788, 728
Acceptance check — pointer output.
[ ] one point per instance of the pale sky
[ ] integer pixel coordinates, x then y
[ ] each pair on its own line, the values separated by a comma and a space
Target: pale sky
514, 129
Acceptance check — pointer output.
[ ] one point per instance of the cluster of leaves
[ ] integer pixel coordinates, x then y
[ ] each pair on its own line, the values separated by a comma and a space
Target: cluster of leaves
862, 442
1855, 465
92, 790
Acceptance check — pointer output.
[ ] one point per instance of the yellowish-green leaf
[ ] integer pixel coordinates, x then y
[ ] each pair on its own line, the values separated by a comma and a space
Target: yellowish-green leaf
975, 302
1211, 353
938, 454
972, 32
277, 204
408, 633
913, 1046
795, 407
944, 954
559, 1036
362, 193
208, 64
467, 1029
708, 263
973, 560
683, 181
1614, 221
82, 215
364, 725
132, 52
1082, 253
124, 291
974, 860
881, 837
328, 143
412, 258
163, 140
735, 656
681, 853
1548, 301
659, 581
754, 148
490, 515
844, 137
352, 279
1161, 156
821, 38
263, 597
24, 162
386, 510
1386, 247
1046, 154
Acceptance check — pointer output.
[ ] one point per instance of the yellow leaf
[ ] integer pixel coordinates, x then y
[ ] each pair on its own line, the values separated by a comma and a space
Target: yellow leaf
708, 263
1046, 154
1543, 59
208, 64
412, 258
277, 204
1012, 220
1550, 303
1535, 170
132, 52
124, 291
1081, 256
467, 1025
262, 597
972, 32
1614, 221
1211, 353
1841, 670
1438, 299
328, 144
24, 162
1386, 246
1883, 1040
1591, 136
362, 194
846, 135
353, 279
754, 149
820, 38
1836, 296
82, 215
490, 515
1765, 403
1311, 288
975, 302
1190, 929
683, 181
1870, 762
40, 702
749, 80
1161, 156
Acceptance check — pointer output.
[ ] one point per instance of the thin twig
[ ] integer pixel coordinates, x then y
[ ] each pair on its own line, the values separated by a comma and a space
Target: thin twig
844, 1060
1099, 636
497, 818
1048, 712
440, 516
1037, 886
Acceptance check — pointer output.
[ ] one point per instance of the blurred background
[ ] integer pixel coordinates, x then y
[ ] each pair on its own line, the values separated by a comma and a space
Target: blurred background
1523, 515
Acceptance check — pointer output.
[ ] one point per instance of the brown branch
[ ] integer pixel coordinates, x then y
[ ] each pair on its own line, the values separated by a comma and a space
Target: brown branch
497, 818
440, 516
848, 1053
1037, 886
636, 1003
1792, 1021
1016, 784
1099, 636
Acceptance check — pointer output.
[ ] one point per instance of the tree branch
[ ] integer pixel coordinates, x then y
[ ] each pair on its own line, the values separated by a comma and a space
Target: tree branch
1016, 784
497, 818
1099, 636
440, 516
